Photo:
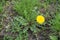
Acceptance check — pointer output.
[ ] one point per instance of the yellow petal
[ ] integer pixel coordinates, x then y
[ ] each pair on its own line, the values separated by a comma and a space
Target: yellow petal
40, 19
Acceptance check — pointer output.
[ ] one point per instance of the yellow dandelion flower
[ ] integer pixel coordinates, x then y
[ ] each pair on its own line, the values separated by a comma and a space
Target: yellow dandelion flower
40, 19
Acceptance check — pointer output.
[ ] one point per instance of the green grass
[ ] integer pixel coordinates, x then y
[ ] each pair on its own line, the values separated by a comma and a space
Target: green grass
27, 11
56, 22
1, 7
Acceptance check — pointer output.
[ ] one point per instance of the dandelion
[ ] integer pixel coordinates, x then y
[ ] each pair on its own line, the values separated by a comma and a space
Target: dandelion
40, 19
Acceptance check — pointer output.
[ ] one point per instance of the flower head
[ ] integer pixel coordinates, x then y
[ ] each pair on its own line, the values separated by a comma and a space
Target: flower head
40, 19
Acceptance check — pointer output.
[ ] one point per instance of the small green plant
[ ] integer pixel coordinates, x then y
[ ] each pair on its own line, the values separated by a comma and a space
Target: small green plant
56, 22
27, 9
2, 2
1, 7
27, 12
53, 37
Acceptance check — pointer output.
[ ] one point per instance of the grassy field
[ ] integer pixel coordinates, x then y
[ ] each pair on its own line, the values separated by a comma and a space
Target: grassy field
29, 19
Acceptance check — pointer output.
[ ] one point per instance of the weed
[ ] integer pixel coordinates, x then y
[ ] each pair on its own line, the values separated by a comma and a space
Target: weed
55, 22
53, 38
27, 11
